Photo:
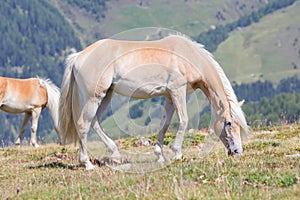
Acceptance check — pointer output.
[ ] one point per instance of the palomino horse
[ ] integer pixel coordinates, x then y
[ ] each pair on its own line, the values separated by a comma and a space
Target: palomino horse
29, 96
173, 67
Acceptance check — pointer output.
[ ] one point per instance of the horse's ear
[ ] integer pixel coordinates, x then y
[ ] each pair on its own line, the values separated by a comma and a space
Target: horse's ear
241, 103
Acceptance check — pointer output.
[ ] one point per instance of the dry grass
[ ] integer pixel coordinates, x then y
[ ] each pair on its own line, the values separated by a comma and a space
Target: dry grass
263, 172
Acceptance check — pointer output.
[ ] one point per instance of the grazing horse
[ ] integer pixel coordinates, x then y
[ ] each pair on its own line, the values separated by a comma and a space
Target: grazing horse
29, 96
173, 67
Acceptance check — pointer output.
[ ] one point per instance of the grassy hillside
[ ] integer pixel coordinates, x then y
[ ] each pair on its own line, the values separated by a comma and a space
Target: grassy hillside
270, 48
189, 17
264, 171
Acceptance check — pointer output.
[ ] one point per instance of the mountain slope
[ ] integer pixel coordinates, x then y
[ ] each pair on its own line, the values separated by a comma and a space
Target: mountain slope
267, 50
189, 17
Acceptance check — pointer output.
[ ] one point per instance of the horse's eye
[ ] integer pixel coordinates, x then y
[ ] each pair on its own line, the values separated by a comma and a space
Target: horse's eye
228, 123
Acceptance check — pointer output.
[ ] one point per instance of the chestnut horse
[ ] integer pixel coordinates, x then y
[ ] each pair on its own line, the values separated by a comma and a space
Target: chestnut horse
173, 67
29, 96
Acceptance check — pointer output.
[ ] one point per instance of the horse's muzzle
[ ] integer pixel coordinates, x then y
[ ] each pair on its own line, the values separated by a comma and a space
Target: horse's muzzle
235, 152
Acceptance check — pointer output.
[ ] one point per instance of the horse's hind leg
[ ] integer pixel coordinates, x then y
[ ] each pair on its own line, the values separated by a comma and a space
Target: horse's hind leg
109, 143
35, 117
164, 125
84, 122
23, 128
179, 100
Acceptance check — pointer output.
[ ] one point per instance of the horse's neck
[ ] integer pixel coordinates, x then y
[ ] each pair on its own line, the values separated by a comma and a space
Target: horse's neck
214, 90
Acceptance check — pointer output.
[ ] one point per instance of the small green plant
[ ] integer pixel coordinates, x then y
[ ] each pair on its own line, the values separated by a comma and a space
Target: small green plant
285, 179
286, 134
262, 145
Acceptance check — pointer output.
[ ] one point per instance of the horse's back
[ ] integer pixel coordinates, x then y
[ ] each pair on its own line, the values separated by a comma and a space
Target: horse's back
25, 93
102, 55
108, 49
107, 61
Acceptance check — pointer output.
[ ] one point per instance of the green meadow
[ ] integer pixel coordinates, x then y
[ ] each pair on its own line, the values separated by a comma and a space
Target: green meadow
268, 169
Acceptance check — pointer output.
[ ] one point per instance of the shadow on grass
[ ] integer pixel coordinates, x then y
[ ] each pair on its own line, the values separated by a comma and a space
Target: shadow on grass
55, 165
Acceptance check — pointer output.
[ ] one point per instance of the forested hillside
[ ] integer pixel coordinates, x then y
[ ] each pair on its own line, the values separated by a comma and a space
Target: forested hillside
35, 38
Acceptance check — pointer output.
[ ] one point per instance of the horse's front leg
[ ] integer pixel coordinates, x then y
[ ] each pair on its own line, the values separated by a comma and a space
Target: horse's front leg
35, 117
165, 122
23, 128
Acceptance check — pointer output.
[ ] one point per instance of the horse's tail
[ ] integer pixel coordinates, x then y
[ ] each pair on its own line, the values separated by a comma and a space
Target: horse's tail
66, 124
53, 95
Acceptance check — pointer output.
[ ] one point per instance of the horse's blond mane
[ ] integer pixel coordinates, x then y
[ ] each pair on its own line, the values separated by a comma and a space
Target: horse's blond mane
236, 110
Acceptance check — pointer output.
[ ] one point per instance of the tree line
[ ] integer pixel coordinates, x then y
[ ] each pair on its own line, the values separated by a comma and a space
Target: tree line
96, 8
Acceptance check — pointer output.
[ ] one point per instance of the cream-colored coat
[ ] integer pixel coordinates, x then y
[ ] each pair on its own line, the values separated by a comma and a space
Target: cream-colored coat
174, 67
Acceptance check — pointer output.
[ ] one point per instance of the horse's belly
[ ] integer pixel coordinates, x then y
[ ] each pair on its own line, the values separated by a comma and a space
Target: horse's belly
140, 90
11, 110
143, 82
14, 108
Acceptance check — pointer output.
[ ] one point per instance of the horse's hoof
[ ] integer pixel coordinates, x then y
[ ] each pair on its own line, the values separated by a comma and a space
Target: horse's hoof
178, 158
178, 153
161, 159
89, 166
35, 145
116, 154
18, 142
157, 150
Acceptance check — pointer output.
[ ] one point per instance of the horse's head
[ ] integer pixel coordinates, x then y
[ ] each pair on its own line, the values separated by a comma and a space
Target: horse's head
229, 133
